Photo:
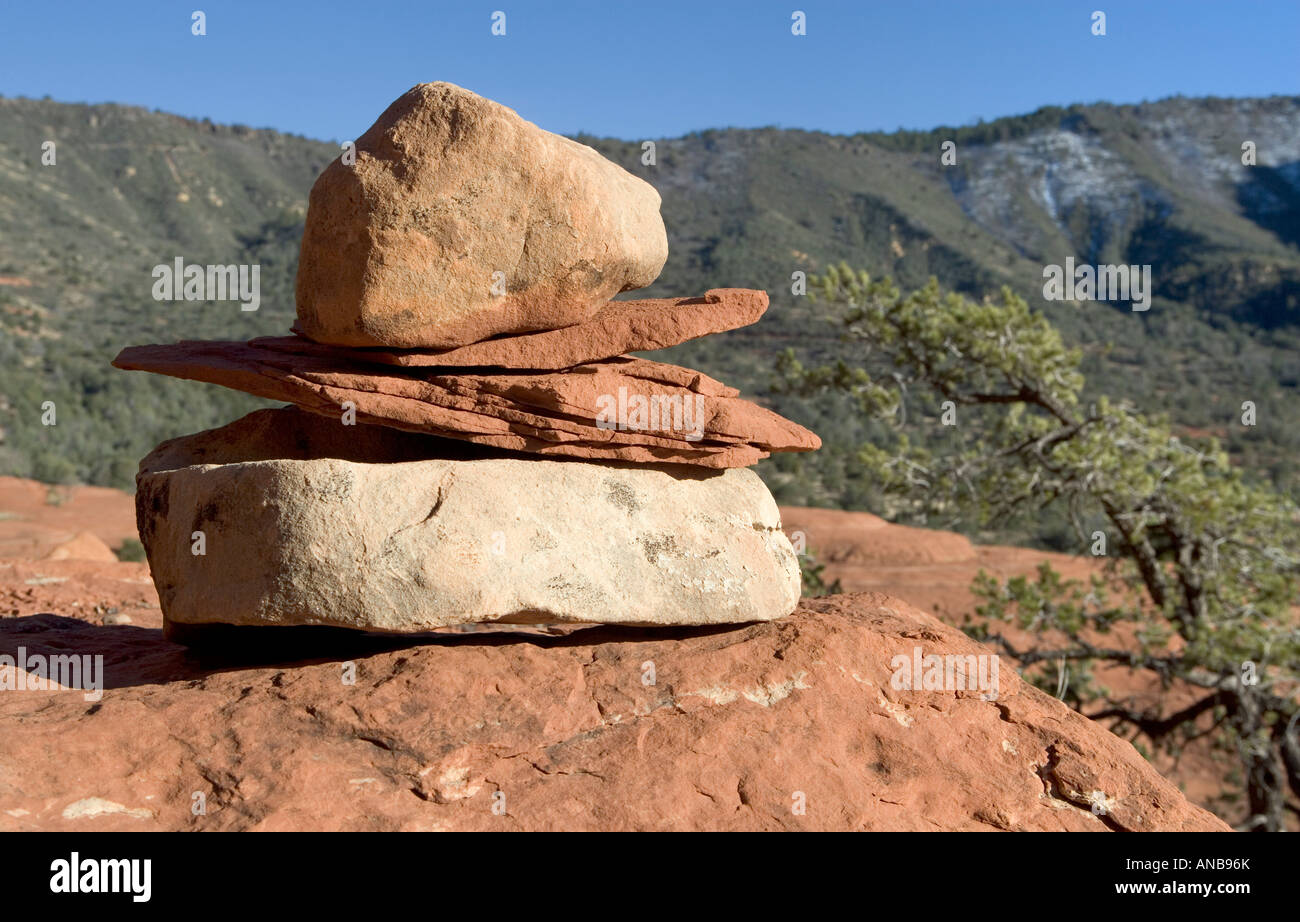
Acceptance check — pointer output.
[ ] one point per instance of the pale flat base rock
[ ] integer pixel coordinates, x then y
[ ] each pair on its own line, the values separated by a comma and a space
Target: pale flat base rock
414, 545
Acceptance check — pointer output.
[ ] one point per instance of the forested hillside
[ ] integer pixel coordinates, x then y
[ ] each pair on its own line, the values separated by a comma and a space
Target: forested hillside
1161, 184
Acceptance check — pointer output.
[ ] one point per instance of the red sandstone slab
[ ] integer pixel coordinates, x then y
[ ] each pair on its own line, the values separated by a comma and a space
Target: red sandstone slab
694, 420
620, 326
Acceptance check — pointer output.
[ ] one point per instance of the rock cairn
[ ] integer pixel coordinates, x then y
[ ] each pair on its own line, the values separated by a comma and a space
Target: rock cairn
469, 440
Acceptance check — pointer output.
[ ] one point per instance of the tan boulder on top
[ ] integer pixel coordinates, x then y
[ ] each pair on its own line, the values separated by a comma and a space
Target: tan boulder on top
460, 221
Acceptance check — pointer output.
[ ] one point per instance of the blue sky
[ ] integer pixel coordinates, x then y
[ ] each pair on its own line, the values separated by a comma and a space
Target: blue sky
647, 68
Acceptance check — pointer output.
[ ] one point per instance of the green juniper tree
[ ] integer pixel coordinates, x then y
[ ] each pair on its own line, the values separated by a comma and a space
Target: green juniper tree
1202, 564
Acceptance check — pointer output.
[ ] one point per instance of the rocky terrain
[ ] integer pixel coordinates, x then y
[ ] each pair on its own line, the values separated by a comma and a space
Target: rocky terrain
420, 597
790, 724
933, 570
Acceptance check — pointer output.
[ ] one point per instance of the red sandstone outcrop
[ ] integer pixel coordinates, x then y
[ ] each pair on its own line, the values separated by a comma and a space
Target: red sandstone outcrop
82, 546
36, 519
792, 724
934, 569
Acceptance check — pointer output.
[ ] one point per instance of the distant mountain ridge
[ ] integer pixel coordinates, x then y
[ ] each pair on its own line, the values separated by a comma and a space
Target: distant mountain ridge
1158, 183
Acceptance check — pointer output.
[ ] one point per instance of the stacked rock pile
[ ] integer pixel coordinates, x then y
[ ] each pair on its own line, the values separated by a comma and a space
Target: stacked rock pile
469, 439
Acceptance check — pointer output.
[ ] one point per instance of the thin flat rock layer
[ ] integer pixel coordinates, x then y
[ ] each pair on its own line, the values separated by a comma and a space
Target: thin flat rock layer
641, 325
622, 409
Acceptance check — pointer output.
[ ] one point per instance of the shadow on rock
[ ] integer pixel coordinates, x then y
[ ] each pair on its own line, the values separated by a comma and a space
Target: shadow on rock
143, 656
